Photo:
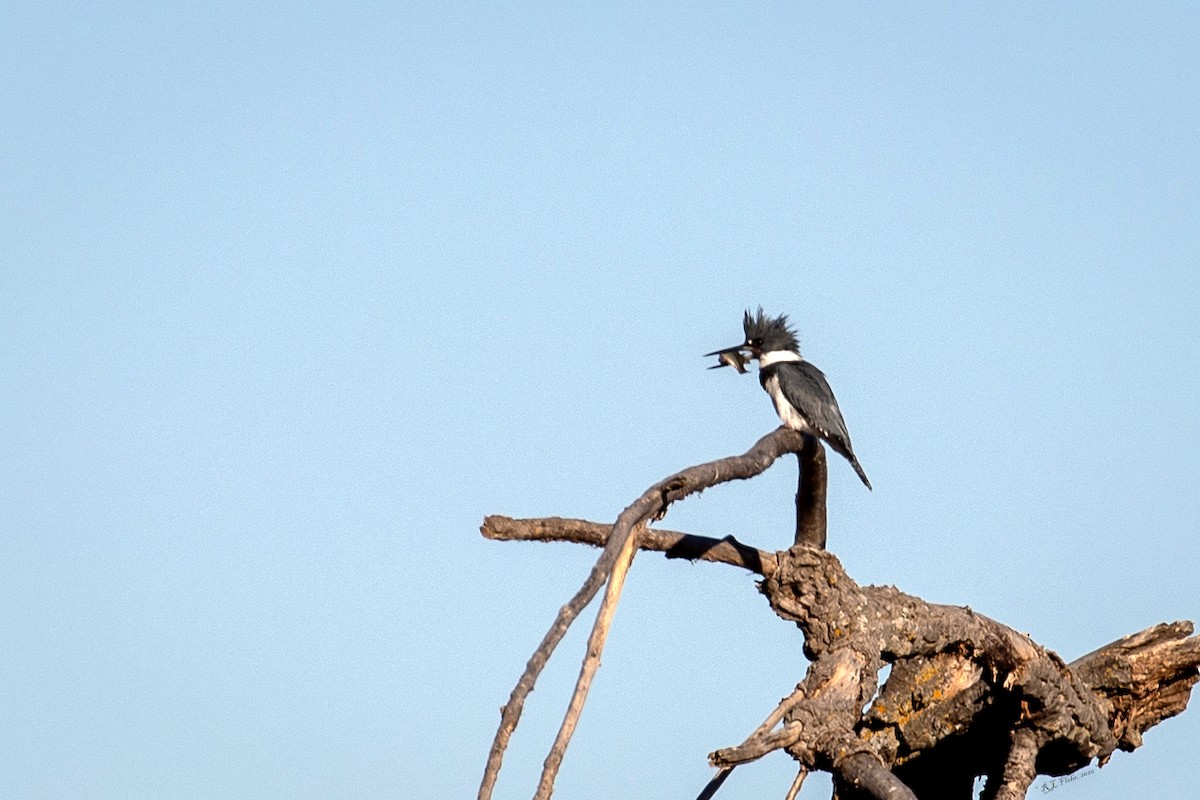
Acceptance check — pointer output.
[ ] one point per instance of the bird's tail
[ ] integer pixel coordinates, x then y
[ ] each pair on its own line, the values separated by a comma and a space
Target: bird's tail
861, 472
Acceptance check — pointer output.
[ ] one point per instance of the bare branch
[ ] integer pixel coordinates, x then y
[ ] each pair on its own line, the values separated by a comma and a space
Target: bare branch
510, 714
1019, 768
756, 747
768, 725
713, 785
797, 783
618, 552
966, 695
591, 662
811, 488
866, 773
671, 543
1146, 677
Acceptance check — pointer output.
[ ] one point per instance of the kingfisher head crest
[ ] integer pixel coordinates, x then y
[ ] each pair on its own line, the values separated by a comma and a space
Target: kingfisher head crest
768, 334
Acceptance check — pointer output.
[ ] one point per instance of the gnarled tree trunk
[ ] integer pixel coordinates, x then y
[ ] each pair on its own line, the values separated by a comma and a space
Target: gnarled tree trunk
966, 695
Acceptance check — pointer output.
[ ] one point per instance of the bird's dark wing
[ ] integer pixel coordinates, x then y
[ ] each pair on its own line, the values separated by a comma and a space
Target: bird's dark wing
807, 390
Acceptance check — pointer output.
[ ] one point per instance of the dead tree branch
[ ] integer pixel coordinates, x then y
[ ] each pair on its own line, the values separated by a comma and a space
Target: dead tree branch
966, 696
618, 553
670, 543
756, 742
810, 493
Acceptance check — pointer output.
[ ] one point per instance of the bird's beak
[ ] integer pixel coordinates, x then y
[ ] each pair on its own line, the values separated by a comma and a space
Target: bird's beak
729, 357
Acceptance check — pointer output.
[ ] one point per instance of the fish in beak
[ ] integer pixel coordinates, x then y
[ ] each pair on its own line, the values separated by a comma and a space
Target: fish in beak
730, 357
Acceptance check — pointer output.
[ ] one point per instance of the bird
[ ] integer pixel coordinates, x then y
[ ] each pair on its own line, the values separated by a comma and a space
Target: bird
799, 391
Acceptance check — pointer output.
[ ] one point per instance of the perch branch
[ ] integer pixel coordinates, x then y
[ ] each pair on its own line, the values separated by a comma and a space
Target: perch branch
811, 488
618, 551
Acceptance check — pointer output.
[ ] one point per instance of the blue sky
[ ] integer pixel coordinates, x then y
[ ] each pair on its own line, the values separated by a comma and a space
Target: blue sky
293, 296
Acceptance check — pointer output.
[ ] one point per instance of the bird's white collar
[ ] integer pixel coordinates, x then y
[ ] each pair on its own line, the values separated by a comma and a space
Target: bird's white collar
777, 357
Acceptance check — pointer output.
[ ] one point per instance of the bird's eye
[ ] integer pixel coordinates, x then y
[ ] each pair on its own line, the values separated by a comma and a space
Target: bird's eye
756, 342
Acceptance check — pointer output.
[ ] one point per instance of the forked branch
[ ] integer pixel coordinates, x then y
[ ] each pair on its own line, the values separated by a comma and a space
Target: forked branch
966, 695
619, 550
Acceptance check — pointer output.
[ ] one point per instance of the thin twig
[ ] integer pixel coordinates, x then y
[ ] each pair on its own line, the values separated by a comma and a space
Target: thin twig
712, 786
510, 714
752, 750
591, 662
763, 729
797, 782
775, 717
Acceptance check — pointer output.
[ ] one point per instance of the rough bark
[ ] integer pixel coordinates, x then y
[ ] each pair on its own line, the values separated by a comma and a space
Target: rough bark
966, 695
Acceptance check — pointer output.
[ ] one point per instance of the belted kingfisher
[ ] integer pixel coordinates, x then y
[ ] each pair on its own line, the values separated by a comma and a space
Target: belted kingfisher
802, 397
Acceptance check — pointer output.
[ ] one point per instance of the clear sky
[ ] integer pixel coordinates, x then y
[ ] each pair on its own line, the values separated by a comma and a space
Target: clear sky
292, 296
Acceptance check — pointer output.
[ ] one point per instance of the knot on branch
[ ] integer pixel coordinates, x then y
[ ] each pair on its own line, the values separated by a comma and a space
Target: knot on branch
810, 587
